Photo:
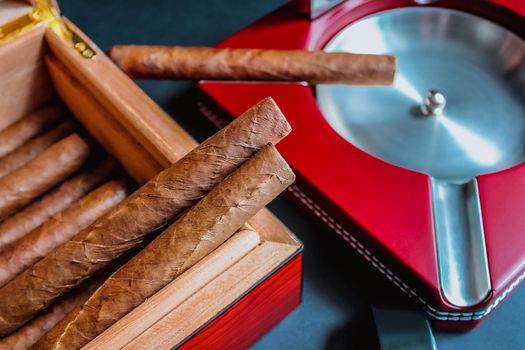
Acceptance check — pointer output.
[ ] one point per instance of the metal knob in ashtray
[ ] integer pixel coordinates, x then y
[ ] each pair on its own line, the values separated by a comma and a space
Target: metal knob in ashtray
456, 111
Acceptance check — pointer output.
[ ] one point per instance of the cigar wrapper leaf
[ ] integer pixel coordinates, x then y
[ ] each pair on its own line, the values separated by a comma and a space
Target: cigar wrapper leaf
45, 238
203, 63
28, 127
195, 234
29, 334
144, 316
146, 210
53, 202
34, 147
42, 173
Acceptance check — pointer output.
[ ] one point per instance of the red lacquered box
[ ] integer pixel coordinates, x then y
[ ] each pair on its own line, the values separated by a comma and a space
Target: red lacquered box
383, 211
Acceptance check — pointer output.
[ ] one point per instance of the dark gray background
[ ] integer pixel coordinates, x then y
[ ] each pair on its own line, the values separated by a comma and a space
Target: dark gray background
339, 285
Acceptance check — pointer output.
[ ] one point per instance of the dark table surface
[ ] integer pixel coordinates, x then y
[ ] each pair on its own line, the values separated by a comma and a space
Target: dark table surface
339, 286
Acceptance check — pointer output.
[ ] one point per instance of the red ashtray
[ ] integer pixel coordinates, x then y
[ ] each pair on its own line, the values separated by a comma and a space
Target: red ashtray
426, 178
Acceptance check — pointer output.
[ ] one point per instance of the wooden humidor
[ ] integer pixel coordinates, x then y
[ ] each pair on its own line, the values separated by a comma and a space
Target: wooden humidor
231, 297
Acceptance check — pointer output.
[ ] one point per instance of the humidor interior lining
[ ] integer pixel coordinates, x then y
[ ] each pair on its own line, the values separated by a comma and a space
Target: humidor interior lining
24, 80
143, 119
38, 66
110, 133
11, 9
233, 283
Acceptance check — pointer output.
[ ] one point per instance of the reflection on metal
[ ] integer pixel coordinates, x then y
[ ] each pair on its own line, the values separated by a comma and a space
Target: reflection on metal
318, 7
433, 103
480, 67
463, 266
425, 2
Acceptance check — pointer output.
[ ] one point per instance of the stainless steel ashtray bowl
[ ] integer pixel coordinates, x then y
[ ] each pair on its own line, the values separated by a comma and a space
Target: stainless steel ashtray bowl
456, 111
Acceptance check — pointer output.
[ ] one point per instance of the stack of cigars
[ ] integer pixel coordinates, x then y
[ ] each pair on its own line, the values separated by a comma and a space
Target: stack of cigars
79, 250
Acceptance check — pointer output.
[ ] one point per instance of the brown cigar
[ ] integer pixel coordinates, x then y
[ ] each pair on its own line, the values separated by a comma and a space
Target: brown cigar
149, 208
159, 306
71, 190
196, 63
28, 127
34, 147
40, 174
60, 228
194, 235
29, 334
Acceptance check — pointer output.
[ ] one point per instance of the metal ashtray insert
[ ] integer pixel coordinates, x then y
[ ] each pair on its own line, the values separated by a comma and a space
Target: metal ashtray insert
456, 111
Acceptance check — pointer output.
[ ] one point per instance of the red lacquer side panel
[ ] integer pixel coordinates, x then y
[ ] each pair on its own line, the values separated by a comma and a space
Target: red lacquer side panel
516, 5
255, 314
502, 196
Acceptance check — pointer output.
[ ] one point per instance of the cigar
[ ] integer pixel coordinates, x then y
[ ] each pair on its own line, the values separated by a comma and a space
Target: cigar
199, 231
41, 241
40, 174
29, 334
53, 202
203, 63
157, 307
148, 209
28, 127
34, 147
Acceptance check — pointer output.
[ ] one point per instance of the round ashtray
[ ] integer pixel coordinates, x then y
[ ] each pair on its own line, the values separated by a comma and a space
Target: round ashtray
456, 111
457, 107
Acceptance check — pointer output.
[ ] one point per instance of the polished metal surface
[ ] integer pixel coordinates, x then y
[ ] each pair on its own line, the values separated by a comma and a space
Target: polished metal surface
319, 7
462, 258
403, 328
434, 103
425, 2
479, 67
456, 111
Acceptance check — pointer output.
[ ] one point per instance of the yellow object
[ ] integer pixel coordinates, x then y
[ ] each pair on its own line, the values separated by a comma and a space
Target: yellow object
46, 14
